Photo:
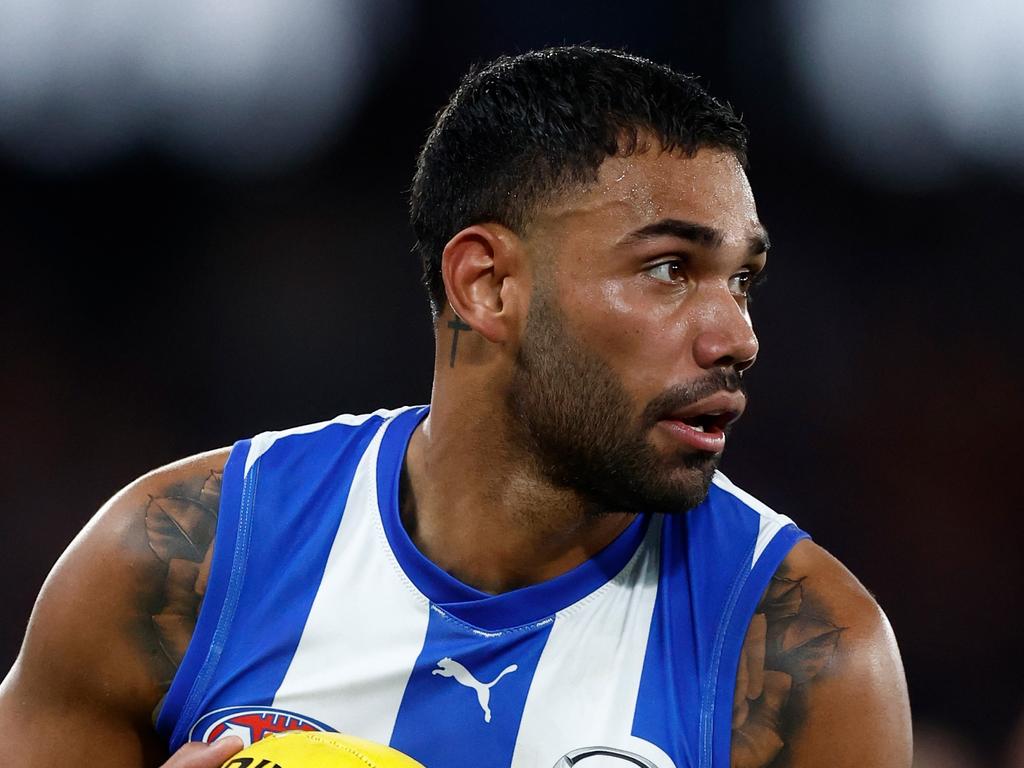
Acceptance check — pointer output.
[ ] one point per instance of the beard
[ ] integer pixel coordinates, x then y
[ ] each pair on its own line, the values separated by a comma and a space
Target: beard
573, 415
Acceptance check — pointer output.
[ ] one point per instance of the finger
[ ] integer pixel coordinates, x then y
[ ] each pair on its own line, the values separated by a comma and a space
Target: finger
739, 695
758, 637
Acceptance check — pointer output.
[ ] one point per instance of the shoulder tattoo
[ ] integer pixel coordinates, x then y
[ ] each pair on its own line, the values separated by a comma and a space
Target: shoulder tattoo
790, 642
180, 528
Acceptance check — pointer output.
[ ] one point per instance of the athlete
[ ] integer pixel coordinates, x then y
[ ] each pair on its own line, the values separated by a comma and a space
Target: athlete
543, 567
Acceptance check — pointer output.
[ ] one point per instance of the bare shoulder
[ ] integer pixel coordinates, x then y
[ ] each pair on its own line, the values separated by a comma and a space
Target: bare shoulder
820, 680
115, 616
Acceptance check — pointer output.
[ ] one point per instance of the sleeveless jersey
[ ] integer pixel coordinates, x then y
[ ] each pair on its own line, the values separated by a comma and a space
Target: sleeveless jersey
320, 613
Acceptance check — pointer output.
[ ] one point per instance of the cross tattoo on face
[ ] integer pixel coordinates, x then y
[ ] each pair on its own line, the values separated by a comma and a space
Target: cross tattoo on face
458, 324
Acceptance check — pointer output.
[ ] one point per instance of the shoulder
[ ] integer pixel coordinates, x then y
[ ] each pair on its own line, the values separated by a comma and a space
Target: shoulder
820, 679
768, 520
866, 653
118, 608
127, 565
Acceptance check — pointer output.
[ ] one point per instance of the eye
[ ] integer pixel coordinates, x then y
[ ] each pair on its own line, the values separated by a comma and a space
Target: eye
743, 283
667, 271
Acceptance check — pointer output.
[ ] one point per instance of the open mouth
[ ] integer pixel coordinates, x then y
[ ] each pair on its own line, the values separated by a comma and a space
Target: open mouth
702, 426
710, 423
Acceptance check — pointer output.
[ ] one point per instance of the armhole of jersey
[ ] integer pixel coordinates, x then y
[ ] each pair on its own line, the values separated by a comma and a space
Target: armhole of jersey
744, 597
227, 572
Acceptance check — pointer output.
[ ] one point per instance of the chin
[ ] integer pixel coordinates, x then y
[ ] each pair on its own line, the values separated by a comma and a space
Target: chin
690, 484
667, 498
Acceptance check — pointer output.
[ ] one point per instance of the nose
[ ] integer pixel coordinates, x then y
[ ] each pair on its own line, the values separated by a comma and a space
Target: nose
725, 336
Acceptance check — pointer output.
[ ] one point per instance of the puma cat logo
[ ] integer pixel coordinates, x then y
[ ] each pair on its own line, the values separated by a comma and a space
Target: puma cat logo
448, 667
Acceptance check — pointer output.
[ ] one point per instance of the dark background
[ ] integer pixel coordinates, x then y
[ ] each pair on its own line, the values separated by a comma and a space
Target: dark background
155, 305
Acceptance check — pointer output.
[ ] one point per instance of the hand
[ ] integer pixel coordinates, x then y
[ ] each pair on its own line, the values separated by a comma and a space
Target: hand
195, 755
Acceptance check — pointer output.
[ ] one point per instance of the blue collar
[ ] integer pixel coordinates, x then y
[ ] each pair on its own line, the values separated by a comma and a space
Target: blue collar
490, 612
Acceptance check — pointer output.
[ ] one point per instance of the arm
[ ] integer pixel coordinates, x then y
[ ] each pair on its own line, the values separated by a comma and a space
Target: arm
111, 625
820, 681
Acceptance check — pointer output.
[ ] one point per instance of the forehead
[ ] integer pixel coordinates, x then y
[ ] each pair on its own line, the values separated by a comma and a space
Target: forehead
709, 188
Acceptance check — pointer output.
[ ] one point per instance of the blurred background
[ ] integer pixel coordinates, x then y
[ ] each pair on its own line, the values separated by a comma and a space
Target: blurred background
204, 236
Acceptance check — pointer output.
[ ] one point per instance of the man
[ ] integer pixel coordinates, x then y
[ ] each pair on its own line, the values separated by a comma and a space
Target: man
542, 568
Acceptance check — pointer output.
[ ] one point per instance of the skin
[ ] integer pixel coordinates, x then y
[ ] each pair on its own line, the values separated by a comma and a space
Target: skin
820, 679
110, 625
649, 327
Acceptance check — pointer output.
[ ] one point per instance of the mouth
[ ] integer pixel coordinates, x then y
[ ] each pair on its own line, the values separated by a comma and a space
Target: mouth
703, 425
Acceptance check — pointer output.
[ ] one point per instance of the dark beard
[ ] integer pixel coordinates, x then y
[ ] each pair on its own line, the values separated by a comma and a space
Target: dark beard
571, 413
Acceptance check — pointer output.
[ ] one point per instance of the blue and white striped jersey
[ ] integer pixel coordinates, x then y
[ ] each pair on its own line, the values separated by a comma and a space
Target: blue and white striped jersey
320, 613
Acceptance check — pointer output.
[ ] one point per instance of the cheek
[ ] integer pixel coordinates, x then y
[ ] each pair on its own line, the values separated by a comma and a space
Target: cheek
645, 342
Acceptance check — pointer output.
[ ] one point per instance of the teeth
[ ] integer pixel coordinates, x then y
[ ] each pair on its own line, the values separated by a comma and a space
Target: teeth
698, 427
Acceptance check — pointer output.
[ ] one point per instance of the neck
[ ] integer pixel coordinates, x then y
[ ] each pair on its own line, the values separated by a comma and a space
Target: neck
479, 508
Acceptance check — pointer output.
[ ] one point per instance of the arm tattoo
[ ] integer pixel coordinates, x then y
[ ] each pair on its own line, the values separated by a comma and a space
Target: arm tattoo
789, 643
458, 324
180, 527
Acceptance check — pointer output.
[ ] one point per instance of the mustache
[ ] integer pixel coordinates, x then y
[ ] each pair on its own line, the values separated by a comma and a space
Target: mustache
688, 393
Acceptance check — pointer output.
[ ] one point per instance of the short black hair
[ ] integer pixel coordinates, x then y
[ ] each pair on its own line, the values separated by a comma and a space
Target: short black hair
521, 129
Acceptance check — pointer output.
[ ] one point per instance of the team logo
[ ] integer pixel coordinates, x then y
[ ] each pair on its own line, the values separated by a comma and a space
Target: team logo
596, 757
448, 667
250, 724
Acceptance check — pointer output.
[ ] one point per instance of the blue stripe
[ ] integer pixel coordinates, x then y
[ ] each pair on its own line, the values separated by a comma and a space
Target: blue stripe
304, 482
441, 722
712, 687
304, 486
491, 612
706, 595
734, 632
669, 696
222, 587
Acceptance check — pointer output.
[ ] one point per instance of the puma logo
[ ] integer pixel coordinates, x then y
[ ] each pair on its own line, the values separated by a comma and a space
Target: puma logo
448, 667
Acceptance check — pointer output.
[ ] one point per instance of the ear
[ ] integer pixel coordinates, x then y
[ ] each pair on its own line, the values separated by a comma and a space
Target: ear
480, 267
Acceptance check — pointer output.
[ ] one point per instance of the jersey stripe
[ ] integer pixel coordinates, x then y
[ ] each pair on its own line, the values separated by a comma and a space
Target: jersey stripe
734, 629
263, 442
770, 523
473, 678
189, 685
365, 628
585, 690
257, 636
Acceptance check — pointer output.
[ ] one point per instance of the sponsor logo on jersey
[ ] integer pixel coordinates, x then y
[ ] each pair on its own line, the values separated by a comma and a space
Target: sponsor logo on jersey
595, 757
449, 667
250, 724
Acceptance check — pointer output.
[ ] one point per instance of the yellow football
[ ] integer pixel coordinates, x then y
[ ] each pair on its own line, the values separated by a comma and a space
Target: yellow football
308, 749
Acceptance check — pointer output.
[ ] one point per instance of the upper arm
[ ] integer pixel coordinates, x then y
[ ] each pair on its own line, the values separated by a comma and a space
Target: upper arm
820, 681
112, 622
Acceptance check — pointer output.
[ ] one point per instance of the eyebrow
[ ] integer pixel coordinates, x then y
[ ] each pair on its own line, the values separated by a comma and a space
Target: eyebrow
701, 234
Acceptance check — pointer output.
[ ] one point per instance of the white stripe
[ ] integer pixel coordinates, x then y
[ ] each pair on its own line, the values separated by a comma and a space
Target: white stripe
585, 688
263, 441
366, 627
771, 522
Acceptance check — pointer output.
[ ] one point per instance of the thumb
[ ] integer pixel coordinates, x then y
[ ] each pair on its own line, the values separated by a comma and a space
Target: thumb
195, 755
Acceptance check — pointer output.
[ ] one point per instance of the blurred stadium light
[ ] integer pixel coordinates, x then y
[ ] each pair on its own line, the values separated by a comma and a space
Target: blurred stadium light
234, 85
910, 89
